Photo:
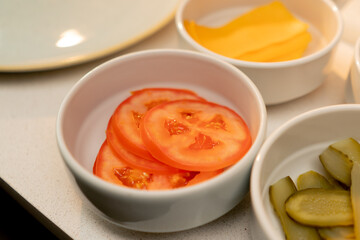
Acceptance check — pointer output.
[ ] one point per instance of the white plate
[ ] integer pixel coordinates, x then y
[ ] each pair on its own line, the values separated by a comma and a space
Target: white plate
47, 34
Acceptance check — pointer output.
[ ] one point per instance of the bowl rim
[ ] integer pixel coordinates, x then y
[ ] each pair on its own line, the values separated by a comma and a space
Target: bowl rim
258, 206
79, 171
179, 21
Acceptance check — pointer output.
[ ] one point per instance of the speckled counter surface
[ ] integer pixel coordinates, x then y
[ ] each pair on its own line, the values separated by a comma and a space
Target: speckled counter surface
32, 169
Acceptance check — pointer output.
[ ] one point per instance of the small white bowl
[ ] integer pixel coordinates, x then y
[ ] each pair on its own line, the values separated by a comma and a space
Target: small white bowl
83, 118
355, 72
277, 81
292, 149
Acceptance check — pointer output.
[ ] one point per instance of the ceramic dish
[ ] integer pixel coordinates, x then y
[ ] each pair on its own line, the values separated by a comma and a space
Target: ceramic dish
40, 35
355, 73
278, 82
291, 150
85, 112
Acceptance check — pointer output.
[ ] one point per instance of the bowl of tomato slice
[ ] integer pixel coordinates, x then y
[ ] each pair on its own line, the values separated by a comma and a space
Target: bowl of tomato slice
162, 140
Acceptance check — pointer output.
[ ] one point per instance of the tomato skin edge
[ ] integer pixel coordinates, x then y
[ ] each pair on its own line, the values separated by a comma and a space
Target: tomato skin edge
137, 150
168, 89
159, 154
106, 151
148, 165
98, 168
204, 176
141, 150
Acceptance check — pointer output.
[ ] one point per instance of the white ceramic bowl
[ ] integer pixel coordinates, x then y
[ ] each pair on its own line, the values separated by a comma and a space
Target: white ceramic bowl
355, 72
85, 111
278, 81
292, 149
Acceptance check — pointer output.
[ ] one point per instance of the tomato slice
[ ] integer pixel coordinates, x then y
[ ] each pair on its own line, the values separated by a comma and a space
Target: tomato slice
149, 165
203, 176
129, 113
106, 163
113, 169
195, 135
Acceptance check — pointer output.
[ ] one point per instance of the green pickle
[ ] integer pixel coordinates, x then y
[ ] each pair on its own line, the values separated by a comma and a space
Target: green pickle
337, 164
323, 207
349, 147
312, 179
279, 192
335, 183
320, 207
338, 233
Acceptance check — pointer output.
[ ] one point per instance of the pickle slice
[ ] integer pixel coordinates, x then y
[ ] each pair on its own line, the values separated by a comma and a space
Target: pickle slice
332, 233
320, 207
350, 147
337, 164
312, 179
355, 197
335, 183
279, 192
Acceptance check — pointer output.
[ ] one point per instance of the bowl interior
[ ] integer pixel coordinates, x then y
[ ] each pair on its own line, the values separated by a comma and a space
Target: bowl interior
294, 149
324, 23
88, 107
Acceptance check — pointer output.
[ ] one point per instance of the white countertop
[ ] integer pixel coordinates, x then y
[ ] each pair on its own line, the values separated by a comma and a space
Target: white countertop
31, 165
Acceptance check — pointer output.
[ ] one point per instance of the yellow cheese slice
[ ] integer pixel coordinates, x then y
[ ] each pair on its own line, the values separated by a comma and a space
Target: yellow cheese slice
296, 53
282, 51
257, 29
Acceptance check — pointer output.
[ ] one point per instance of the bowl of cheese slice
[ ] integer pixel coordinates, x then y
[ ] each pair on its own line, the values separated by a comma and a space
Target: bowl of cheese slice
284, 47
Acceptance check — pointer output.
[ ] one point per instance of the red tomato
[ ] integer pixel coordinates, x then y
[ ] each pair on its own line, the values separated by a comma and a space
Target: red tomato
149, 165
129, 113
203, 176
111, 168
195, 135
166, 181
106, 163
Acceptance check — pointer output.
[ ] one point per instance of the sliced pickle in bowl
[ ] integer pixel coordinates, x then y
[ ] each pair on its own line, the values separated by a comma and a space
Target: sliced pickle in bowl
349, 147
337, 164
330, 203
332, 233
312, 179
279, 193
320, 207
